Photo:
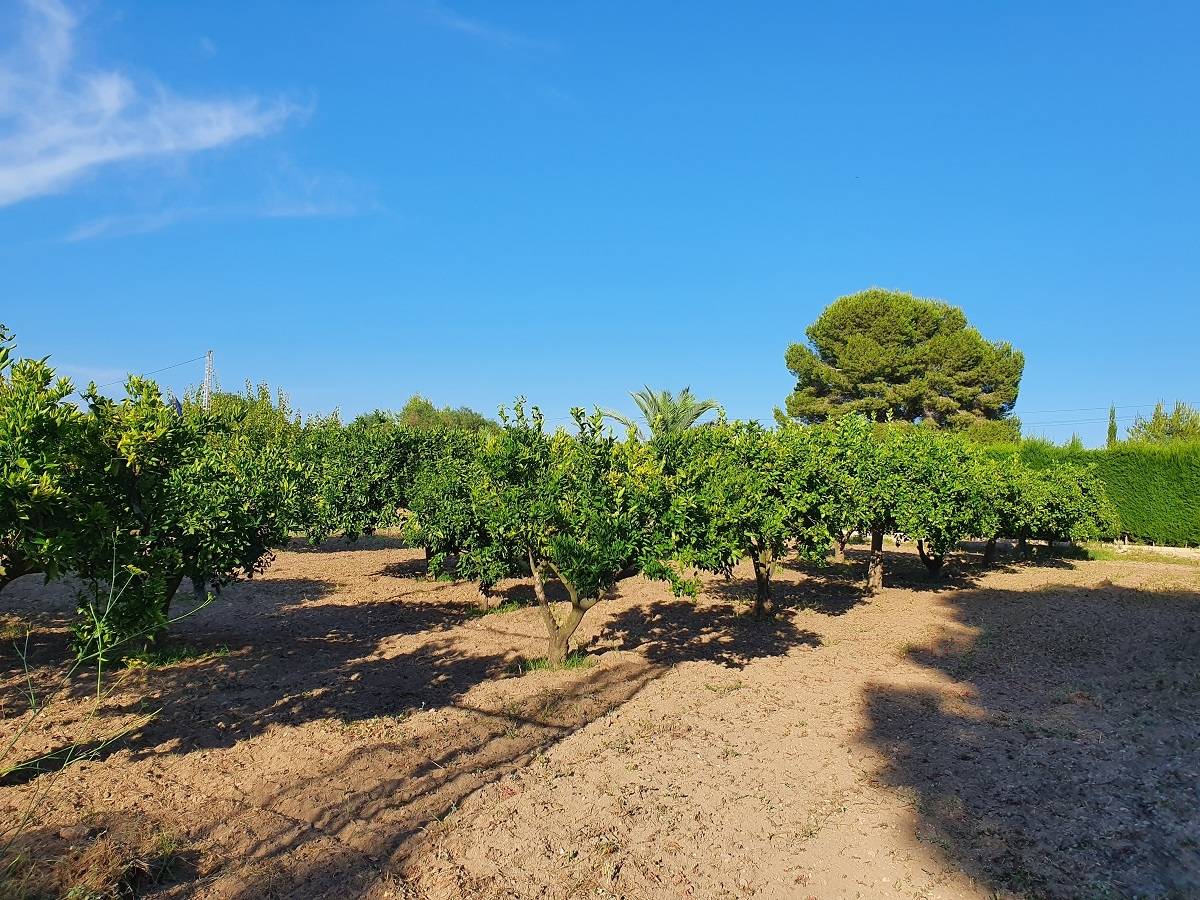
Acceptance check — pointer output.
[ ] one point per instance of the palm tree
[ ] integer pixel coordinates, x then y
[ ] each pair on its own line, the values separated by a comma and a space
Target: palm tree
666, 413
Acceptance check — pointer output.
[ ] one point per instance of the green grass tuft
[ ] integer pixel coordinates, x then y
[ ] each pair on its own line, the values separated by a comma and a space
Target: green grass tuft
1108, 553
162, 657
576, 660
506, 607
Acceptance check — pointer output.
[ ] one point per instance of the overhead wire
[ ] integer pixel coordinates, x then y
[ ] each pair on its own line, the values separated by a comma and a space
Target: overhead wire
152, 371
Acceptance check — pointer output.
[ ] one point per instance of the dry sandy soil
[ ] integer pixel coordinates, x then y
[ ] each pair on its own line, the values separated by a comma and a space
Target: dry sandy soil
1030, 731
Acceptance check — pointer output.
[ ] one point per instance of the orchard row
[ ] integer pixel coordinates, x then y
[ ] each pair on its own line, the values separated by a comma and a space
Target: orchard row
134, 496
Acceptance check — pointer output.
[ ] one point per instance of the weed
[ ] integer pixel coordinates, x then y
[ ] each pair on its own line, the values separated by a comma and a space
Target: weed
103, 862
575, 660
162, 657
506, 607
727, 688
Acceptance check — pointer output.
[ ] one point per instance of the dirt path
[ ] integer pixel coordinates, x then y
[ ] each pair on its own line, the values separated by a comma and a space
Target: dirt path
1029, 732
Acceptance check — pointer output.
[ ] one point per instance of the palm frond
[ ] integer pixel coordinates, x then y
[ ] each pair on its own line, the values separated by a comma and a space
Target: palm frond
666, 413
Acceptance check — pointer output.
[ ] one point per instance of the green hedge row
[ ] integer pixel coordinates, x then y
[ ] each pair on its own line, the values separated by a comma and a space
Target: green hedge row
1156, 489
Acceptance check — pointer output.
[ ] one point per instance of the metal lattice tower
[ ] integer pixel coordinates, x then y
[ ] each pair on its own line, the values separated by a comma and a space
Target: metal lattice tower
206, 395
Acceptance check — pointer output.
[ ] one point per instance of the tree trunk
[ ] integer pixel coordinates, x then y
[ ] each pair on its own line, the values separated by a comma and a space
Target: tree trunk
559, 644
172, 588
484, 598
1022, 546
763, 564
989, 552
839, 550
559, 633
875, 567
933, 562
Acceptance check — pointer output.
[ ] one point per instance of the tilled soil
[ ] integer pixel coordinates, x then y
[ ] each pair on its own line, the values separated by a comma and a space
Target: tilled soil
361, 731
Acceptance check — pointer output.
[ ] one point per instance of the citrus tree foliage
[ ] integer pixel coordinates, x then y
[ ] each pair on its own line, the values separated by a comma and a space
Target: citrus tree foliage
869, 455
169, 495
941, 493
1004, 510
665, 413
261, 414
1060, 502
581, 509
1180, 425
358, 476
739, 491
1072, 505
845, 448
891, 356
41, 438
420, 413
444, 517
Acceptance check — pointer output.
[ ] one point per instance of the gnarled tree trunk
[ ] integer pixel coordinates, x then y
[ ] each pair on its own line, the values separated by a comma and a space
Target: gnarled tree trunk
764, 565
559, 632
933, 561
875, 567
989, 552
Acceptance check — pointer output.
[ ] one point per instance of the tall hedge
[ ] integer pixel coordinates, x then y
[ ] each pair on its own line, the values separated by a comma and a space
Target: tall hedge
1155, 488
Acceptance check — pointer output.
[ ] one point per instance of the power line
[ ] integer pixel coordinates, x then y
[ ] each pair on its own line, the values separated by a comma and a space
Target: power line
1025, 424
152, 371
1037, 412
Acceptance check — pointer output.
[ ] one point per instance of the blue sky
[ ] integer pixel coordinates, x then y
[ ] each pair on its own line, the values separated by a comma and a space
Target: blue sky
565, 200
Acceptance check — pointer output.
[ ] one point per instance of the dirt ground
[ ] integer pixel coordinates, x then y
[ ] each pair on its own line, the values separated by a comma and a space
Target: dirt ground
359, 731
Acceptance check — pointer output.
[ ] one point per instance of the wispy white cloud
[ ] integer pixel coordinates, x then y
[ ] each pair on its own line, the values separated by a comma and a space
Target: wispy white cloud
134, 223
60, 121
445, 17
81, 375
291, 193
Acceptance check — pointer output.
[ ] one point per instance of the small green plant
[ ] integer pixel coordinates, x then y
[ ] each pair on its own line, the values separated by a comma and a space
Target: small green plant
506, 606
1108, 553
162, 657
574, 660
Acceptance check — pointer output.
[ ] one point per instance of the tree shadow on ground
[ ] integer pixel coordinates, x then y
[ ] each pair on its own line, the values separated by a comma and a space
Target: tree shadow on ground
361, 806
522, 593
673, 631
1060, 758
104, 855
405, 568
284, 662
299, 662
833, 589
342, 544
365, 815
382, 799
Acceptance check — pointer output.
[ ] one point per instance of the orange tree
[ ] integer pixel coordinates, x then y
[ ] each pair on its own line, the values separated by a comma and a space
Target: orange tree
169, 495
941, 491
444, 517
583, 510
41, 452
738, 492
